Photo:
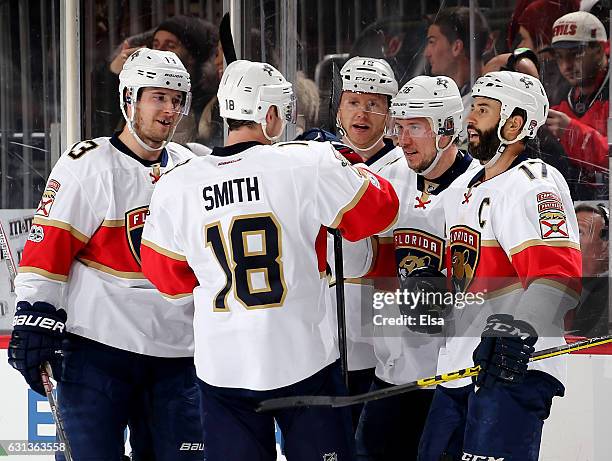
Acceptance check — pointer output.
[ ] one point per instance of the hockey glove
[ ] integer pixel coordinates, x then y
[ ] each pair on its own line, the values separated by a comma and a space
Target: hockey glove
427, 307
505, 347
37, 336
317, 134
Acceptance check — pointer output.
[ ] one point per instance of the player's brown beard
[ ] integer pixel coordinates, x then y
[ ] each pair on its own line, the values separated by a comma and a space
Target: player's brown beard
487, 146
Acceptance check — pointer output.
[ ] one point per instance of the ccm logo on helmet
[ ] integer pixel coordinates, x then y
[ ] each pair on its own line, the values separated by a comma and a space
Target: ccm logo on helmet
468, 457
40, 322
365, 79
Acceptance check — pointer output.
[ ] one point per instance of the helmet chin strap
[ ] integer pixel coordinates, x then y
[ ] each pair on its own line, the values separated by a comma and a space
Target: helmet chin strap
439, 151
273, 139
141, 143
502, 147
344, 135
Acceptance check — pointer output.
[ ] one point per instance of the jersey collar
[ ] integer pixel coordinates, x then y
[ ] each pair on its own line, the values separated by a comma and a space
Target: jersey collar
459, 166
478, 178
234, 148
388, 147
118, 144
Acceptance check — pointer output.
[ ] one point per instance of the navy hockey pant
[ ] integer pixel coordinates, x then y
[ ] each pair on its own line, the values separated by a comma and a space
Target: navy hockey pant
359, 382
390, 429
502, 423
102, 387
234, 431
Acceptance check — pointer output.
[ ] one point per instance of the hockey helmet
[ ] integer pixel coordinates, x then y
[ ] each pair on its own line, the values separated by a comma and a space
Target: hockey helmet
248, 89
147, 68
368, 75
435, 98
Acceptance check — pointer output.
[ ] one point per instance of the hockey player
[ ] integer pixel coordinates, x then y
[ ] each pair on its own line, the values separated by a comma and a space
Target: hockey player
80, 289
368, 84
427, 118
238, 233
513, 240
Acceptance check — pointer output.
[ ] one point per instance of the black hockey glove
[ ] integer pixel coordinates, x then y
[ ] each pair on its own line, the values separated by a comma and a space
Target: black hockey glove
504, 350
317, 134
37, 336
428, 288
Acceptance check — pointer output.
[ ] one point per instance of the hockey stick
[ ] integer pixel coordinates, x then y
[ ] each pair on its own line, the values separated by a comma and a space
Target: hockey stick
334, 100
226, 39
5, 249
59, 424
344, 401
340, 304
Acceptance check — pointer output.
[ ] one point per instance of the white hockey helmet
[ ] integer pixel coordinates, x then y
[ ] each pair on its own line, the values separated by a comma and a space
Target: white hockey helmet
146, 68
435, 98
368, 75
514, 90
248, 89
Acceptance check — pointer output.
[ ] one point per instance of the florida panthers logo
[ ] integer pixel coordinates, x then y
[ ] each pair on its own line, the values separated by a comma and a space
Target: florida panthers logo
527, 82
442, 82
416, 248
465, 252
134, 223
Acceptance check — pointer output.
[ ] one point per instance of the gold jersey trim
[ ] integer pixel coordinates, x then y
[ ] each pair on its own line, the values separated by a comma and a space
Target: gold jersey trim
351, 204
111, 271
559, 286
548, 243
44, 273
61, 225
163, 251
113, 223
178, 296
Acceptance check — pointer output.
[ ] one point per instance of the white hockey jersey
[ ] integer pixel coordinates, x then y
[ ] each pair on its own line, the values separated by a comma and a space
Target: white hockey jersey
238, 233
513, 239
83, 251
415, 240
359, 334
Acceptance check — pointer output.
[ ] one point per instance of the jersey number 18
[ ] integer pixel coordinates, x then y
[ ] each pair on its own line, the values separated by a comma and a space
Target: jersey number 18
255, 273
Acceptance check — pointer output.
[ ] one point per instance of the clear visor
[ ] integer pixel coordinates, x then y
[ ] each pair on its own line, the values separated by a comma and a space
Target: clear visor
417, 129
178, 103
352, 106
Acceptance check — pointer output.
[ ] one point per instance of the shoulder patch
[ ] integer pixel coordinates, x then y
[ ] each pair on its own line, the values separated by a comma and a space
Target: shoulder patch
553, 222
48, 197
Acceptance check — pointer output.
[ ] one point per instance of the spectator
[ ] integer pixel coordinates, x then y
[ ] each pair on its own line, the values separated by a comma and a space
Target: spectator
579, 122
590, 318
531, 27
532, 22
194, 40
448, 46
599, 8
397, 40
448, 50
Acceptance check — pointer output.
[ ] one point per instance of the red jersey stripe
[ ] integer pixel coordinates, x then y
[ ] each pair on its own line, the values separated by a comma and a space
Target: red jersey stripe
109, 247
172, 277
53, 255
